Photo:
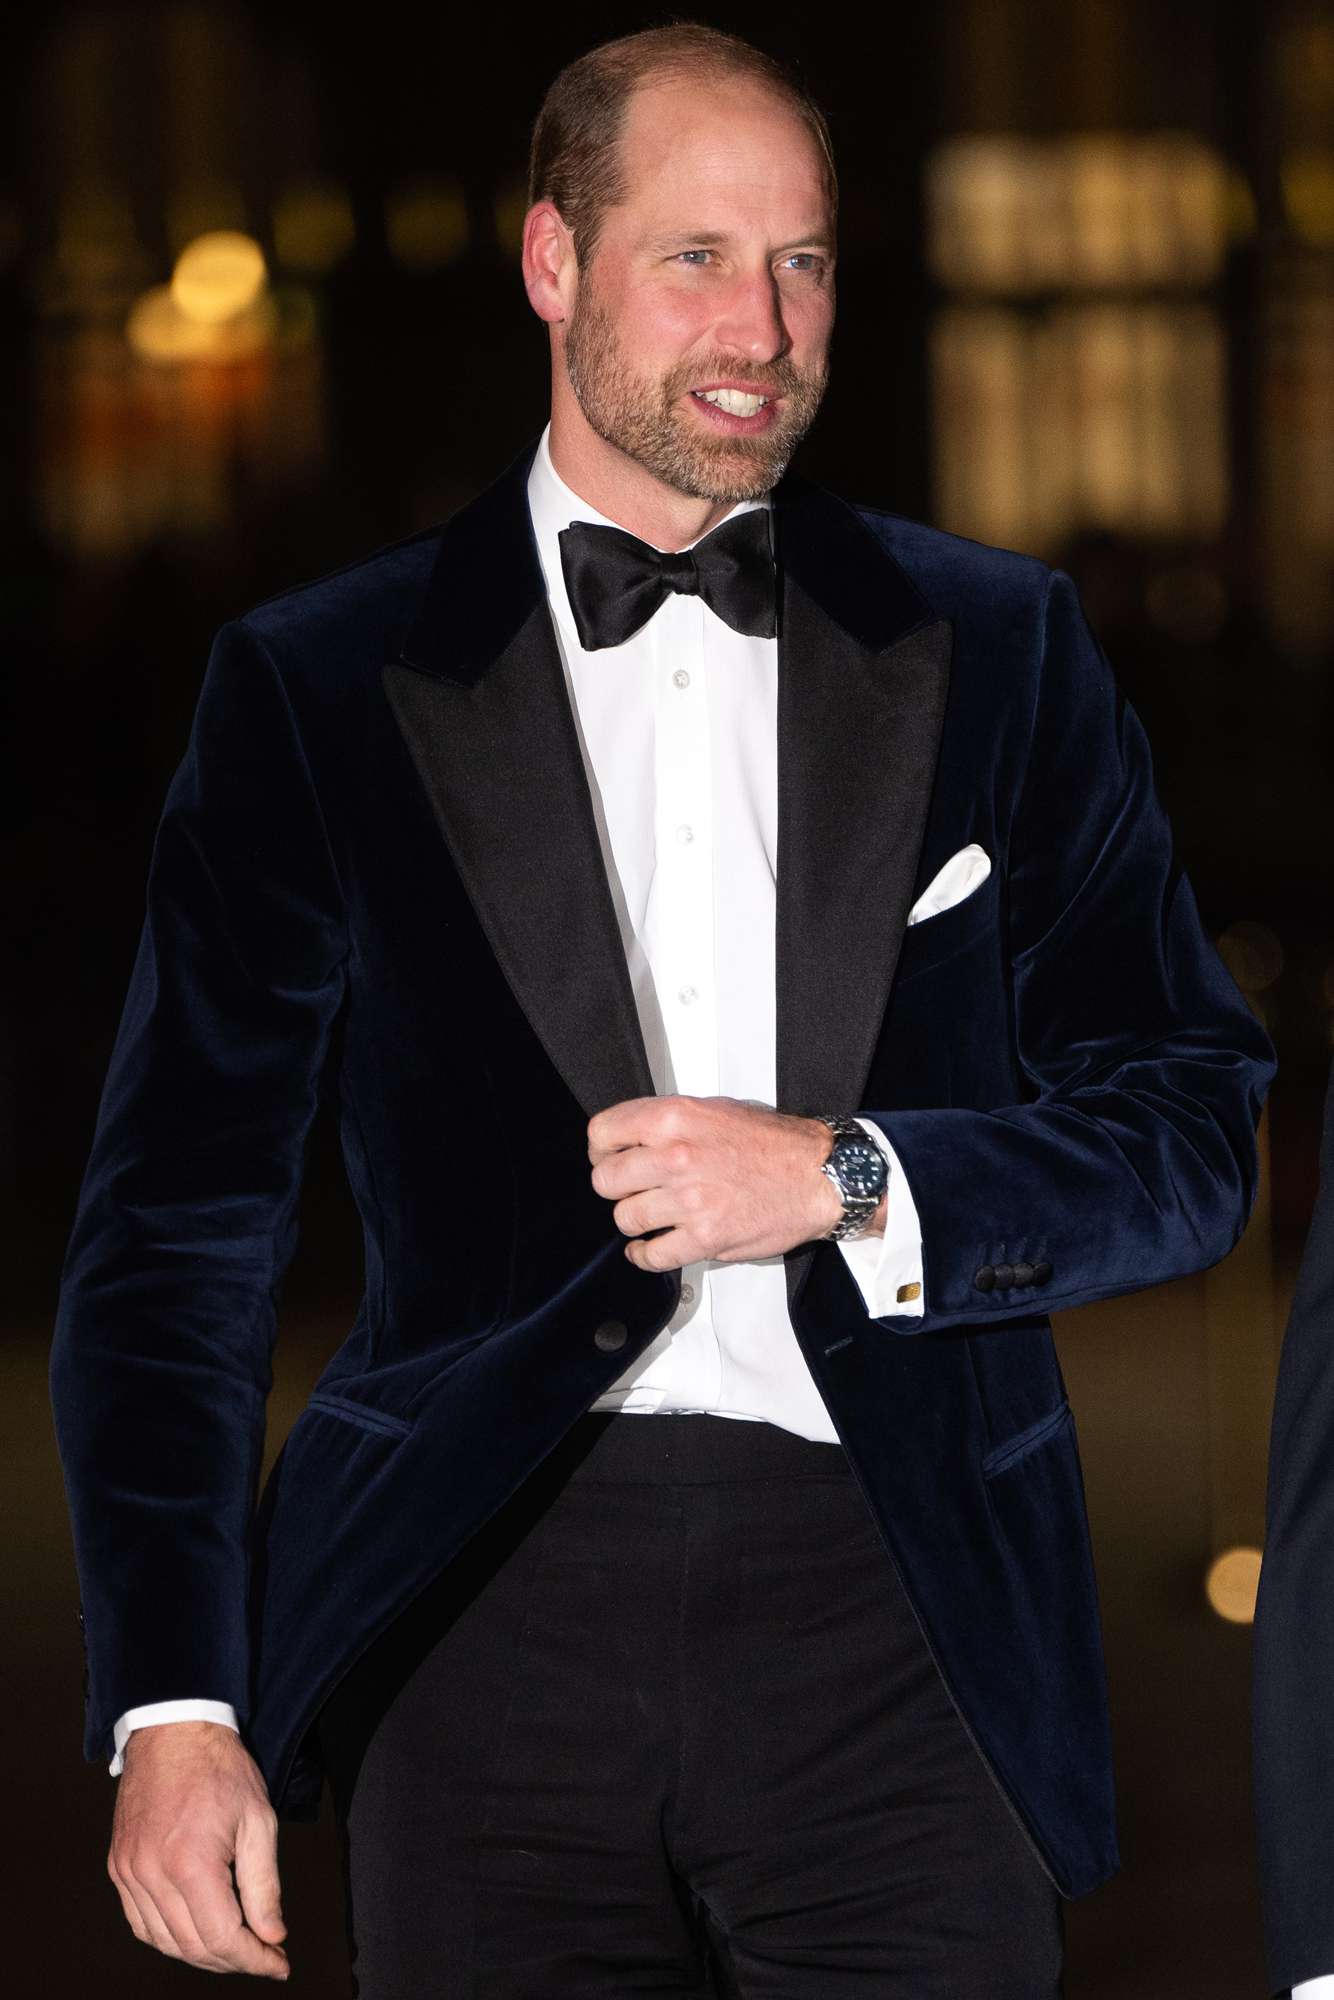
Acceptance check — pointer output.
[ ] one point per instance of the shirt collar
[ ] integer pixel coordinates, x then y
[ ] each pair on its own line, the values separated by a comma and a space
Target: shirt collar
553, 505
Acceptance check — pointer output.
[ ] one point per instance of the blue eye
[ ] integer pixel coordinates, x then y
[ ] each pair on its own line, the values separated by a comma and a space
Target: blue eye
695, 253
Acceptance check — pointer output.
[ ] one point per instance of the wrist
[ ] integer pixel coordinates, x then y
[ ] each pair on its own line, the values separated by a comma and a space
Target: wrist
856, 1167
169, 1732
826, 1205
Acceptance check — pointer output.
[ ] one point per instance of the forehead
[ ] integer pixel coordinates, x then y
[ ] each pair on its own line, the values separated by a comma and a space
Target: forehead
717, 151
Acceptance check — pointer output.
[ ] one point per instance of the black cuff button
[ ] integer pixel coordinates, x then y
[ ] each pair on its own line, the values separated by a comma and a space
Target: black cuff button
984, 1280
1042, 1273
1023, 1276
1005, 1276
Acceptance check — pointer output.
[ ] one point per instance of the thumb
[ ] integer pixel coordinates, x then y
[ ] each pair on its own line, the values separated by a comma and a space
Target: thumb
257, 1883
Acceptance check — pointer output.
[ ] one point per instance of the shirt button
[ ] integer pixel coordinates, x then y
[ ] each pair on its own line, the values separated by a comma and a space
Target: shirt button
687, 1295
687, 995
681, 678
685, 834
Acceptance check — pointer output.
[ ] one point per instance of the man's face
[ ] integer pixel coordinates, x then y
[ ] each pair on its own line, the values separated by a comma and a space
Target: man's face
711, 286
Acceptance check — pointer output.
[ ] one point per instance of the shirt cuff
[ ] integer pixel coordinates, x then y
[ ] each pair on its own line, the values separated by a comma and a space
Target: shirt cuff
888, 1269
1315, 1989
167, 1711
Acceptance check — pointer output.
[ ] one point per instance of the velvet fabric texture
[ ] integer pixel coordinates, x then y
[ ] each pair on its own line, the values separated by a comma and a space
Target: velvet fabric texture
382, 821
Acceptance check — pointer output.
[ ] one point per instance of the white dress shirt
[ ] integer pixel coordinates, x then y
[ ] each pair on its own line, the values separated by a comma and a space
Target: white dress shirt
679, 734
1315, 1989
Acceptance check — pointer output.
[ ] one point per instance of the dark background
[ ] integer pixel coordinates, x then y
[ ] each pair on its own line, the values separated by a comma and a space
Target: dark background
1086, 308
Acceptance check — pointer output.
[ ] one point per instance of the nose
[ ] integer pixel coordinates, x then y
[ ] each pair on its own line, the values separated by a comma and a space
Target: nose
751, 323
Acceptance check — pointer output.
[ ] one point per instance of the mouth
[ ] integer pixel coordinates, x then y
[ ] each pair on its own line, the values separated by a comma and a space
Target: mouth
736, 409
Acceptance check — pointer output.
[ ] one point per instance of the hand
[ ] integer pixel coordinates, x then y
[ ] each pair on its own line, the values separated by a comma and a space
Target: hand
726, 1181
191, 1806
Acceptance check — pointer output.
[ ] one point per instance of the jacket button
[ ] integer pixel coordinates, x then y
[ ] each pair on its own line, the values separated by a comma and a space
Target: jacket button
610, 1336
1041, 1273
984, 1280
1004, 1276
1023, 1276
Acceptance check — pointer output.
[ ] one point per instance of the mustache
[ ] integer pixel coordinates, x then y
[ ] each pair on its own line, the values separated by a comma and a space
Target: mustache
781, 375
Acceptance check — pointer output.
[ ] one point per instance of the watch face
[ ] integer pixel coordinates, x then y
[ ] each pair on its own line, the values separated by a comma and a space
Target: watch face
861, 1167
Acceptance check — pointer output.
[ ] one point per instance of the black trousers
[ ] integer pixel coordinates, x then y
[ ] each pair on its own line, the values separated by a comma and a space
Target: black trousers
670, 1727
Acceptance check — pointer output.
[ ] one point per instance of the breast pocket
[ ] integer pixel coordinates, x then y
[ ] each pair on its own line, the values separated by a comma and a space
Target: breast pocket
936, 940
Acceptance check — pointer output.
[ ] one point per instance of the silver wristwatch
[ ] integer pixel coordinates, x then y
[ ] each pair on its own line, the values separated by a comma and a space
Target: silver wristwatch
859, 1171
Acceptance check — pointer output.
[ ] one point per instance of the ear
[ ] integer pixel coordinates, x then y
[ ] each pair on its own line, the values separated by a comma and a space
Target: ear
550, 268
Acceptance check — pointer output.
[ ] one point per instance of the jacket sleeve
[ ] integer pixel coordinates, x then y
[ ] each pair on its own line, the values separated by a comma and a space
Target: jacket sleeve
1131, 1157
187, 1217
1294, 1625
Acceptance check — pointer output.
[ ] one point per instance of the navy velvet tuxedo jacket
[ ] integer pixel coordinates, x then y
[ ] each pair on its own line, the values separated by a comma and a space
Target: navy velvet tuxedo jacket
382, 819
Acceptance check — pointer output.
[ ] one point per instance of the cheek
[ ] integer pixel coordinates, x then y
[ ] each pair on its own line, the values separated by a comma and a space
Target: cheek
666, 324
810, 321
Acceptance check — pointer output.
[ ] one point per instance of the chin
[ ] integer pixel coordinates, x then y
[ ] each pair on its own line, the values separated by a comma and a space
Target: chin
728, 474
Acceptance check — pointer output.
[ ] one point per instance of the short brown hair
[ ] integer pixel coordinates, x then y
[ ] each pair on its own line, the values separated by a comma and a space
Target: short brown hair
574, 161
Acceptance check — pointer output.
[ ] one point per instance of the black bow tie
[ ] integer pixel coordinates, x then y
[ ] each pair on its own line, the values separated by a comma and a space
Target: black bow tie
616, 582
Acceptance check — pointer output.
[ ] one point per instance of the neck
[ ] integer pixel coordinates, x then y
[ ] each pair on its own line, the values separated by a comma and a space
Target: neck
621, 488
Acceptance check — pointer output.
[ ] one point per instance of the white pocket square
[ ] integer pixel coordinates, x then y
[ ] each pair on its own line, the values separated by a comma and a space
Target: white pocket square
963, 872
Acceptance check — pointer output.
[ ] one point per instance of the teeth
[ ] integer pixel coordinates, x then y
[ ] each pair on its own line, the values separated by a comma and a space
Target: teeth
734, 401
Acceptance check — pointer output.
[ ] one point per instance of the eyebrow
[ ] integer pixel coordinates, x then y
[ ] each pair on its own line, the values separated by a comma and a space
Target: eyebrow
708, 239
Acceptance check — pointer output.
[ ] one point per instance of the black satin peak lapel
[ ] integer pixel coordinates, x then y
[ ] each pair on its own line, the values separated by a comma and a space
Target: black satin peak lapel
480, 697
861, 704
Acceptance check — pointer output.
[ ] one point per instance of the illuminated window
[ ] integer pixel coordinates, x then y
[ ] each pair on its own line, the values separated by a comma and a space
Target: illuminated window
1078, 365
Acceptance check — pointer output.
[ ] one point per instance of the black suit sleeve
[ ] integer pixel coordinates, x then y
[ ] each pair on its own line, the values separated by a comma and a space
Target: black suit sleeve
1294, 1633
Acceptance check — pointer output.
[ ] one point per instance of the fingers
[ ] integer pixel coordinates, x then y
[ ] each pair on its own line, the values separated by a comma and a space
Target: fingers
668, 1252
197, 1919
210, 1908
656, 1208
638, 1121
143, 1916
257, 1883
628, 1172
191, 1805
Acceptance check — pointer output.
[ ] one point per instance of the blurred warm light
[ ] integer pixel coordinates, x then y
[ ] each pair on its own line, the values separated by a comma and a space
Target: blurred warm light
313, 227
426, 222
1091, 415
1308, 195
1232, 1583
1094, 209
158, 331
218, 276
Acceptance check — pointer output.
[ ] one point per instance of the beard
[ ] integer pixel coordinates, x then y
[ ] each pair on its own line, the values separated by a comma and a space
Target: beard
640, 414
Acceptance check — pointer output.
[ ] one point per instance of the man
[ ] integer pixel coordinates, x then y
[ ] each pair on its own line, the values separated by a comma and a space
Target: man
1294, 1631
652, 793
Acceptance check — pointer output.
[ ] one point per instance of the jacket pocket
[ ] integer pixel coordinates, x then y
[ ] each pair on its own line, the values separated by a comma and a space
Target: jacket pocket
1023, 1443
933, 940
360, 1414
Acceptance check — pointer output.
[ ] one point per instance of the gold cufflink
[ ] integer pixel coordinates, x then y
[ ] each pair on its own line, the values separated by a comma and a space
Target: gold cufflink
907, 1293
